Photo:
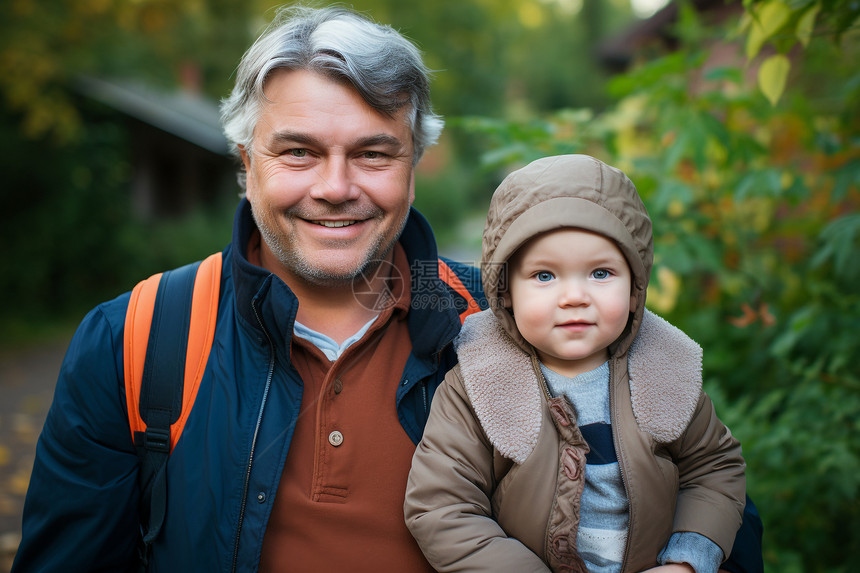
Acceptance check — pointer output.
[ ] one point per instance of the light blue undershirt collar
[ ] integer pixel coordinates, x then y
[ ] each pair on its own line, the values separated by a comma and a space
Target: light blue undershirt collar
327, 345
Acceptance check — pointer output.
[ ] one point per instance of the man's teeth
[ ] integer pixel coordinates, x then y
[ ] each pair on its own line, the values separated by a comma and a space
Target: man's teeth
335, 224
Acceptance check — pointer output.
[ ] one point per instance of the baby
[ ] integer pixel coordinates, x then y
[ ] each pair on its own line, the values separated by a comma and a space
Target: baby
574, 434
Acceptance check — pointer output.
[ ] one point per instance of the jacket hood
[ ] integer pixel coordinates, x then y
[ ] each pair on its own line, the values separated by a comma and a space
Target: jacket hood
563, 191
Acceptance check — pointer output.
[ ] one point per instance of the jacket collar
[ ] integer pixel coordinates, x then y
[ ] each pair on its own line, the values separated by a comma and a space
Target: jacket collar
433, 321
502, 382
264, 299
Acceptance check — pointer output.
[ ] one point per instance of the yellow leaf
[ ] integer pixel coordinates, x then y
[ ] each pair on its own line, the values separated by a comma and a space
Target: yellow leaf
767, 20
772, 76
806, 24
531, 15
663, 298
675, 209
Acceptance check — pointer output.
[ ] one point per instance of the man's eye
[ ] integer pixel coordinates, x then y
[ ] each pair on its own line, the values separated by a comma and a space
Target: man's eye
544, 276
372, 154
298, 152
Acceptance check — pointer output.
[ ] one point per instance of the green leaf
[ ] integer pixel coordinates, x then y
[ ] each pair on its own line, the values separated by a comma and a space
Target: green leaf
841, 240
761, 183
806, 24
767, 20
772, 76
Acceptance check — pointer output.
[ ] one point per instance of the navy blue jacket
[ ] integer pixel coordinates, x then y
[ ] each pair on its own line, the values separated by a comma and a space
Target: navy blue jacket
81, 511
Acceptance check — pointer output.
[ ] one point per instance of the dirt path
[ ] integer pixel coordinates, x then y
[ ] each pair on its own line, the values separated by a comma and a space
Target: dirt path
27, 378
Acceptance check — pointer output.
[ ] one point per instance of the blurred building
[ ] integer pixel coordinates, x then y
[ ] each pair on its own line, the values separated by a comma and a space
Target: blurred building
178, 153
654, 36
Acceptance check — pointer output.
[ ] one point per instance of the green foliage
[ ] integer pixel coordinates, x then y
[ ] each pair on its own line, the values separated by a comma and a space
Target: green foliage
49, 200
782, 25
522, 142
806, 472
69, 238
754, 201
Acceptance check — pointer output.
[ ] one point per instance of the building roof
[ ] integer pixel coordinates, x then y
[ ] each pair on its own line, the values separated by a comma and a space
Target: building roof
618, 52
188, 116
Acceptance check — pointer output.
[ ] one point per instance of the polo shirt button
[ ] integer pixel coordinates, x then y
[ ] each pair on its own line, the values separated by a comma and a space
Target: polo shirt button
338, 386
335, 438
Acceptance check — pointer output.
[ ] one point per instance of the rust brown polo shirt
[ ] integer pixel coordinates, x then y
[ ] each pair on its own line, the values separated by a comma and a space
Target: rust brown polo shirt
339, 505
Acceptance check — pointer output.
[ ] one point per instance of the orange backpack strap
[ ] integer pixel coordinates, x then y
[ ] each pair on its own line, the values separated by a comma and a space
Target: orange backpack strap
449, 277
200, 333
169, 328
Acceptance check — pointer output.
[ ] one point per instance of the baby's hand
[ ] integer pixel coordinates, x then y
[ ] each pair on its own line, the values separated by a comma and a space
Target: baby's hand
673, 568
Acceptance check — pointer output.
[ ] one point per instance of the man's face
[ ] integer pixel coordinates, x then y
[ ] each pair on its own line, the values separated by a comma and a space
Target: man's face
571, 298
330, 179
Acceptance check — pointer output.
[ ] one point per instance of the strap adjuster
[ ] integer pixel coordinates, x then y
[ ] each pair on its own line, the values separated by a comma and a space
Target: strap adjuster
157, 440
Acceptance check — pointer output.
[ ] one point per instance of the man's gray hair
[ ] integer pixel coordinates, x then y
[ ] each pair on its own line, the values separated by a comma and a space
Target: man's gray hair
384, 67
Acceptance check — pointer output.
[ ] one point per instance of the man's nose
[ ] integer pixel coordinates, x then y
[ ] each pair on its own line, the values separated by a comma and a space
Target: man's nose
334, 184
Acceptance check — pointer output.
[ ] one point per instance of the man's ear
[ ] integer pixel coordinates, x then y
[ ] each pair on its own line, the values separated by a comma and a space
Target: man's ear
247, 173
246, 159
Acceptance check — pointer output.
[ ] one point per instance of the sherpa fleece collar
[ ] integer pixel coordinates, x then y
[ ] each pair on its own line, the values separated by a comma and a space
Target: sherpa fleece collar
664, 364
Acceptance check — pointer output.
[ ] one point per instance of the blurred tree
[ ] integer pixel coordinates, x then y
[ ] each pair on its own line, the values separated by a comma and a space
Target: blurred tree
45, 46
69, 237
491, 57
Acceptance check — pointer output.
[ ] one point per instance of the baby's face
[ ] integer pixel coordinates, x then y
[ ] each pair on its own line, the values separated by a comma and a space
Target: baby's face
570, 291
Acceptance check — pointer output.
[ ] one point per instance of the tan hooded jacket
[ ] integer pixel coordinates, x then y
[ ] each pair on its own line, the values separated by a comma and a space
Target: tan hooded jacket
492, 486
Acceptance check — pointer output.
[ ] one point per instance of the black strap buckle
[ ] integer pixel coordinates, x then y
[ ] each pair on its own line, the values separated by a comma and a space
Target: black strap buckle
157, 440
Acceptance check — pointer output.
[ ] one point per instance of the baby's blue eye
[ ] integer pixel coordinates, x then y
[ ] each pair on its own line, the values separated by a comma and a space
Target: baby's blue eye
600, 274
544, 276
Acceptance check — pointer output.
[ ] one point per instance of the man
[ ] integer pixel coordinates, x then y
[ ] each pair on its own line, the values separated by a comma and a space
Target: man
333, 332
296, 453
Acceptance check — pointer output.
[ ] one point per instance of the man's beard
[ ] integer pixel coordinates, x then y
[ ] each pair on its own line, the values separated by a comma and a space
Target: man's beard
283, 248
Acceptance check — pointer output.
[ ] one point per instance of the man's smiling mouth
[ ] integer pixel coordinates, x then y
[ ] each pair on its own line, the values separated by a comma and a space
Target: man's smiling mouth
335, 224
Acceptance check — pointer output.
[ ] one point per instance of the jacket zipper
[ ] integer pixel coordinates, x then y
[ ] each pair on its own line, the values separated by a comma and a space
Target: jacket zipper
544, 386
615, 440
269, 377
